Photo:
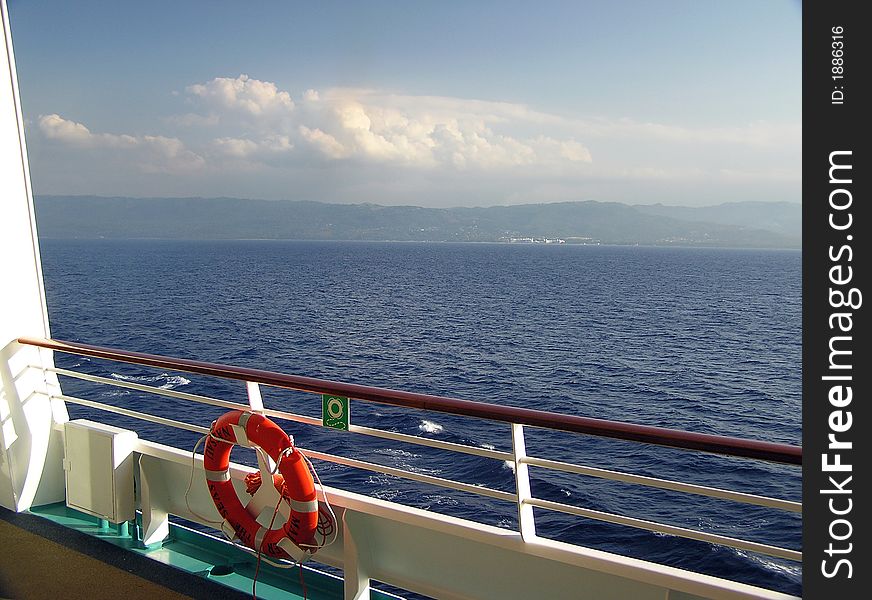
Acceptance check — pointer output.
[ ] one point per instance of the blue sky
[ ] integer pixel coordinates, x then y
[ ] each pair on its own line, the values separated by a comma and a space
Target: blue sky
428, 103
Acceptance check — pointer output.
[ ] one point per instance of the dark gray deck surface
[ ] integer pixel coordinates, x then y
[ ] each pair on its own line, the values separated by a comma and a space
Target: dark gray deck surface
42, 560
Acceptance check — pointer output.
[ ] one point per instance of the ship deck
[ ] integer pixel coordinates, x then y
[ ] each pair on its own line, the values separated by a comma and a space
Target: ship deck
54, 551
39, 560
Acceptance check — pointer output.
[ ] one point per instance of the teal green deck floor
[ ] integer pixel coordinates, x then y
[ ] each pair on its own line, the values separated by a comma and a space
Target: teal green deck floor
201, 555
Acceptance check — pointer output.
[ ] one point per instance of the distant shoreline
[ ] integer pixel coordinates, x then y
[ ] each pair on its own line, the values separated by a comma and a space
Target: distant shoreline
733, 225
417, 242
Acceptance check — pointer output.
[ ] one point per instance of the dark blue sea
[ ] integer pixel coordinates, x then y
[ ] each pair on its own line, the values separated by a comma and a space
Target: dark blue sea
707, 340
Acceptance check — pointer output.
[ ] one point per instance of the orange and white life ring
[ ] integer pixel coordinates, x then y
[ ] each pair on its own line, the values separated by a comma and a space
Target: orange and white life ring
295, 485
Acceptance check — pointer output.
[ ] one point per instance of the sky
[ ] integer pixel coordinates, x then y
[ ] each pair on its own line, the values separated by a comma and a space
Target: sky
435, 104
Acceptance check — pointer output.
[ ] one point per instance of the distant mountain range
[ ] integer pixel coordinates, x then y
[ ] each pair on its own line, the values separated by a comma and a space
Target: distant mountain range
739, 224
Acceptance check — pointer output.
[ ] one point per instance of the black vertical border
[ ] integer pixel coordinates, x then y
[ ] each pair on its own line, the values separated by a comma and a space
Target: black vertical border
829, 127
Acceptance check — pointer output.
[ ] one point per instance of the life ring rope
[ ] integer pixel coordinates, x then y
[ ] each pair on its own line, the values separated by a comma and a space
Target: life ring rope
293, 477
222, 524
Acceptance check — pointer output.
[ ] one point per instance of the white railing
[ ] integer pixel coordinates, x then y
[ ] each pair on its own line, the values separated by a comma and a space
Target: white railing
522, 497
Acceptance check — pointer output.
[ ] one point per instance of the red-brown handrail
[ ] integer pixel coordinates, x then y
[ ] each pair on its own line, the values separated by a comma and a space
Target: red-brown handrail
661, 436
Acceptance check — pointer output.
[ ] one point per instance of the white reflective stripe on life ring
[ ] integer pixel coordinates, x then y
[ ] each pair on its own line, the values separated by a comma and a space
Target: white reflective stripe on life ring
240, 435
217, 475
301, 506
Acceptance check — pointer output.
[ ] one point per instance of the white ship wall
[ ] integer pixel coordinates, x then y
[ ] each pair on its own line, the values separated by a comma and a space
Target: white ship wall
30, 450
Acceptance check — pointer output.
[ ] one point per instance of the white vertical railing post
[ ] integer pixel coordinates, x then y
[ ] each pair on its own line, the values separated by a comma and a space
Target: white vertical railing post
354, 550
526, 521
255, 400
155, 516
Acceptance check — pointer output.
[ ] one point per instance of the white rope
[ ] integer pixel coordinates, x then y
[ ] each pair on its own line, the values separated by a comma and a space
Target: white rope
191, 483
232, 540
283, 454
330, 512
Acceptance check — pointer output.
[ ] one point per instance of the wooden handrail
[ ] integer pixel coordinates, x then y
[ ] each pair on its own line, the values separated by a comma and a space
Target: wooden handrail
661, 436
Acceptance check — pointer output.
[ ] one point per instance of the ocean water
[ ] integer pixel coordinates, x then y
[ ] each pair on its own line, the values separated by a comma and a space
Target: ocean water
706, 340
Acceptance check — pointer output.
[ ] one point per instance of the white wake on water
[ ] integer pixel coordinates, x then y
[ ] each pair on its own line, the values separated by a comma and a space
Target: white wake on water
169, 382
175, 381
771, 564
430, 427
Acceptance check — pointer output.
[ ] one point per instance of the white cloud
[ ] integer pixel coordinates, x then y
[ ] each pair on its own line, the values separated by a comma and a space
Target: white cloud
256, 121
323, 142
151, 153
246, 148
235, 147
56, 128
441, 108
756, 134
380, 144
242, 93
348, 123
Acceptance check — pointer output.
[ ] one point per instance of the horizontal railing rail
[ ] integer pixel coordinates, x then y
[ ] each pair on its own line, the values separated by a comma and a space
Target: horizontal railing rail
667, 529
522, 497
288, 416
533, 461
661, 436
664, 484
333, 458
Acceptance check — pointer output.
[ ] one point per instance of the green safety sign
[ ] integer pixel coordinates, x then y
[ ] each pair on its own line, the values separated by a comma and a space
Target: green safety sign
334, 412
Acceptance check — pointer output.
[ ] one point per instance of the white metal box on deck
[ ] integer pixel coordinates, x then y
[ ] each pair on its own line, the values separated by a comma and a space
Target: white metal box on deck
98, 465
